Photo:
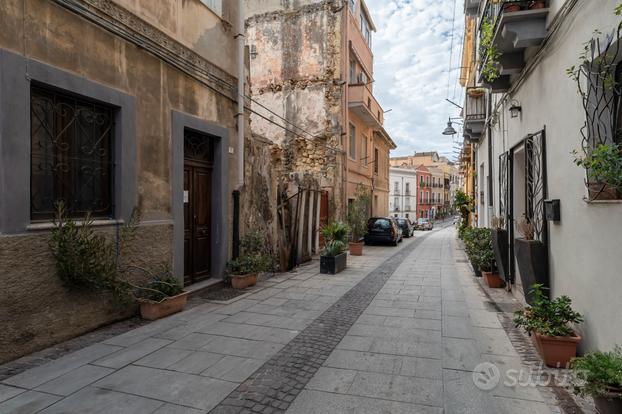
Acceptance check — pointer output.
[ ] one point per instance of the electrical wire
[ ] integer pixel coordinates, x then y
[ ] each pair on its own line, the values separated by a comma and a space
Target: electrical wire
451, 48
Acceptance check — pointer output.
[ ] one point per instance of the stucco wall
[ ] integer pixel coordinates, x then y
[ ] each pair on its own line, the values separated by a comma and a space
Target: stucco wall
585, 258
37, 311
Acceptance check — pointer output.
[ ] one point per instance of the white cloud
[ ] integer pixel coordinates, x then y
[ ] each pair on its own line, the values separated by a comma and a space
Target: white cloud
411, 52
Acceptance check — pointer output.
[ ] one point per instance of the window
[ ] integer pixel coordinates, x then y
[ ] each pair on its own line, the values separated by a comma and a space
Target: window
396, 186
365, 158
214, 5
407, 188
71, 155
617, 137
365, 28
352, 142
376, 160
352, 6
353, 79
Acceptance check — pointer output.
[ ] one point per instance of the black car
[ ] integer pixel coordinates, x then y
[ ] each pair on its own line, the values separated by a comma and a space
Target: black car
407, 228
383, 230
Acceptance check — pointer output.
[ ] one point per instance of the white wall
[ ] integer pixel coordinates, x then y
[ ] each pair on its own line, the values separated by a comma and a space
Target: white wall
585, 247
402, 177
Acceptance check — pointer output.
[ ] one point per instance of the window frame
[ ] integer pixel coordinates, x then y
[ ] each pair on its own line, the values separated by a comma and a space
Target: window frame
352, 142
215, 6
64, 187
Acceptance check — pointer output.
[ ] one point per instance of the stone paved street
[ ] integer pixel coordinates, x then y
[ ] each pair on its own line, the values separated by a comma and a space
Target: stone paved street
400, 331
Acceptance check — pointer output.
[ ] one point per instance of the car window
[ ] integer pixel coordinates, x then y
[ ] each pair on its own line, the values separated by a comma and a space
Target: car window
381, 224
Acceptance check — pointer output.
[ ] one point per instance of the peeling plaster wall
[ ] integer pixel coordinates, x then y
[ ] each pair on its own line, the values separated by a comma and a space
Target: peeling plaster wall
296, 74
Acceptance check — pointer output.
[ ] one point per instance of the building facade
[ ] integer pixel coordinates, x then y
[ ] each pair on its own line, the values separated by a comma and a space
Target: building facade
403, 195
523, 120
311, 69
144, 118
425, 204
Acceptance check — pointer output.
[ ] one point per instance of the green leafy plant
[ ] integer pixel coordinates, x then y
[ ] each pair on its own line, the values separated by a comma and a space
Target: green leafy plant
478, 246
253, 256
488, 51
358, 213
159, 288
548, 317
604, 164
598, 374
90, 261
336, 236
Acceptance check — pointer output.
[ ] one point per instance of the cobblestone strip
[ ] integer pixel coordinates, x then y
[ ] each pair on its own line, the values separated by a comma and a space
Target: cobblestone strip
273, 387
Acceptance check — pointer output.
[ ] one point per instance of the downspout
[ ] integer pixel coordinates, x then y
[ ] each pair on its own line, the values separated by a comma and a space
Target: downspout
239, 37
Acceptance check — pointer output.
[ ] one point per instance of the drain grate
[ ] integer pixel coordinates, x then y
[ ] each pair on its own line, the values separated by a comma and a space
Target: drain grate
223, 294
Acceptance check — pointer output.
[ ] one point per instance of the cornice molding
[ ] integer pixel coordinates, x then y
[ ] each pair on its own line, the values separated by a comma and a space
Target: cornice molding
123, 23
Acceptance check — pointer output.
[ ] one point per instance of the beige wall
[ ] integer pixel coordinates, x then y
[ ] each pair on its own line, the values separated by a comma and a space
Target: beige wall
35, 309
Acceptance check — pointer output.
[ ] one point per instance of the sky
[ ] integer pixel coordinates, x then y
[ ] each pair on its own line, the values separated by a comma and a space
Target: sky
411, 65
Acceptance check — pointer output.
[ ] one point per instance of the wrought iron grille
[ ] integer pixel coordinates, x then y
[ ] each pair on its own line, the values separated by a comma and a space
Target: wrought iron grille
504, 188
198, 147
535, 183
71, 155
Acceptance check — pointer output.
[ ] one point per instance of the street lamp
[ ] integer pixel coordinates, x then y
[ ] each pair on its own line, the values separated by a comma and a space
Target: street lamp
450, 130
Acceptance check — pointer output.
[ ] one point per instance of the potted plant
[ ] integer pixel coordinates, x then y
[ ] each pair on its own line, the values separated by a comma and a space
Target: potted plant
334, 257
484, 257
468, 237
599, 375
500, 246
549, 322
252, 260
604, 168
357, 220
160, 296
537, 4
510, 7
532, 259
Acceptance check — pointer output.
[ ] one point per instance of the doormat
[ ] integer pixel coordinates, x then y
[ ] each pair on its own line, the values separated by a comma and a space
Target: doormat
223, 295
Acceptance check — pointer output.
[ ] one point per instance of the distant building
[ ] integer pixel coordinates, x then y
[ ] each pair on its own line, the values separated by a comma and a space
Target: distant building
403, 195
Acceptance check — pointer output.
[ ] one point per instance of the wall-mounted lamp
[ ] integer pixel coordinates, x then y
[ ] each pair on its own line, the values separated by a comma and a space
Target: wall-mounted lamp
515, 109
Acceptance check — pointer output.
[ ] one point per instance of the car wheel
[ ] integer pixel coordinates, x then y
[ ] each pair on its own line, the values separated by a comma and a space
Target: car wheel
395, 243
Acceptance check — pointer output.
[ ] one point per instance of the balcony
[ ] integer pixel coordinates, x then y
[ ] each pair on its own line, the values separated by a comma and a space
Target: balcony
362, 102
471, 7
474, 113
517, 25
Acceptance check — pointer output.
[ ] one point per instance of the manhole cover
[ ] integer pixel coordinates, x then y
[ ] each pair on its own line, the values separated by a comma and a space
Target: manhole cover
223, 294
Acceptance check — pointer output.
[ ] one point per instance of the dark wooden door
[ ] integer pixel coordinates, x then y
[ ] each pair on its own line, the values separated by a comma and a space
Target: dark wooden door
197, 208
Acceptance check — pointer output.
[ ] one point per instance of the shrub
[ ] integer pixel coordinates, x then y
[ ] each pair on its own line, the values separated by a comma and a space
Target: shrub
547, 317
598, 373
253, 256
478, 246
159, 288
358, 213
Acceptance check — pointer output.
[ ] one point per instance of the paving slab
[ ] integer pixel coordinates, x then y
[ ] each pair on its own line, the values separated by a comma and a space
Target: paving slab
99, 401
75, 380
29, 402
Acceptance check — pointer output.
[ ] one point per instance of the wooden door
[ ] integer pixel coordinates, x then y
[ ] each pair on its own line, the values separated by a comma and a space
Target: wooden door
197, 207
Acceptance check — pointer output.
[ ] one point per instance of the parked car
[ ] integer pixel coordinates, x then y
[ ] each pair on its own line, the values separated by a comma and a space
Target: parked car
383, 230
424, 224
407, 228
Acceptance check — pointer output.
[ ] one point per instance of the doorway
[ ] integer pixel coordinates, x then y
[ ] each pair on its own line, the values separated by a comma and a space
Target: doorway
198, 166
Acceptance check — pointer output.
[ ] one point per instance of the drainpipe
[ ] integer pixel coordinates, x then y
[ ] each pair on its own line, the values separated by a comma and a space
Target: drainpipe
241, 91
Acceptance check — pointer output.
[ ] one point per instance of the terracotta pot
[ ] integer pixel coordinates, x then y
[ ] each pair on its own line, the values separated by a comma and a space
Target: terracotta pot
509, 8
243, 281
476, 94
537, 5
598, 191
610, 403
151, 310
557, 351
493, 280
356, 249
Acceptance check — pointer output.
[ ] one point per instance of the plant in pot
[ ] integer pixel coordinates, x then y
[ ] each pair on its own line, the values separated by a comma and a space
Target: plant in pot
604, 167
548, 323
501, 246
469, 234
532, 259
357, 219
537, 4
511, 6
334, 257
484, 257
599, 375
160, 296
253, 259
476, 92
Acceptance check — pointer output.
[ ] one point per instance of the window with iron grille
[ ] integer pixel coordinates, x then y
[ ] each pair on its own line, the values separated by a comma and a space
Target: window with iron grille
352, 142
71, 155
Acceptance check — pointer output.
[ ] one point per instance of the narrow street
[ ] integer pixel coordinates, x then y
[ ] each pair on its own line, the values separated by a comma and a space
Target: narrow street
400, 331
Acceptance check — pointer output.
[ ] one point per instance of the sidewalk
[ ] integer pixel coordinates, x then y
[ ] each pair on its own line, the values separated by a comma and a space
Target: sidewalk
400, 331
